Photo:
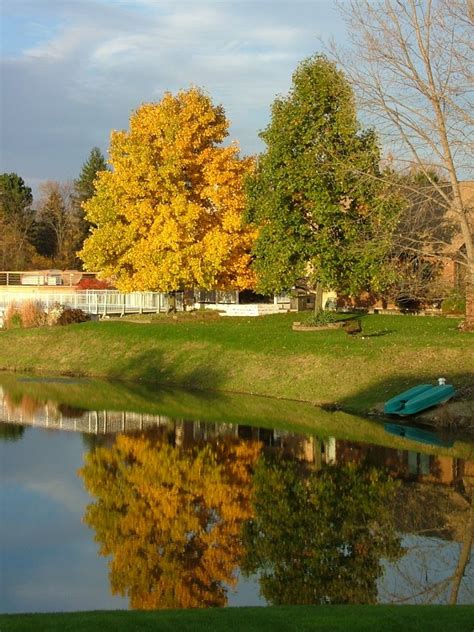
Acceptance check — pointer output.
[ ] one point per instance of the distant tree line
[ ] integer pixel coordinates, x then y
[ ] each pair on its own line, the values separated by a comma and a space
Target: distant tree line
48, 233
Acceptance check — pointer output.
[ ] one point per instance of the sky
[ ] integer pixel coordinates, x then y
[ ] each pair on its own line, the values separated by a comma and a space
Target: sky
73, 70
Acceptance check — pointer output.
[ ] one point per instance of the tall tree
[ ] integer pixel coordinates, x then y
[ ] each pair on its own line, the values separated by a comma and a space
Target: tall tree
170, 518
169, 215
318, 217
57, 224
16, 220
84, 186
424, 229
319, 537
411, 64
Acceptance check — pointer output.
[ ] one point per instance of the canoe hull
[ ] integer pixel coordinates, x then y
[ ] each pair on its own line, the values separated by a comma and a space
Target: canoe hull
419, 398
417, 434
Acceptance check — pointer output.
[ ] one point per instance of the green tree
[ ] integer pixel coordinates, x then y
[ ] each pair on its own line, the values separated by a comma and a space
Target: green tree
11, 432
319, 537
84, 186
16, 220
318, 217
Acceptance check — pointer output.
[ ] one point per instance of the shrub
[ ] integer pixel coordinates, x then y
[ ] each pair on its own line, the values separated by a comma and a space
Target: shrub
12, 319
54, 314
32, 314
70, 316
323, 317
93, 284
454, 303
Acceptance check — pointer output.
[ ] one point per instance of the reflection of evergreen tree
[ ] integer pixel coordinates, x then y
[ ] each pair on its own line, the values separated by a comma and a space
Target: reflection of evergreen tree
92, 441
319, 537
11, 432
170, 517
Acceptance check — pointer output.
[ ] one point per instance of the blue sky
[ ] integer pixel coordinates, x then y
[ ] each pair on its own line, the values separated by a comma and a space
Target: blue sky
73, 70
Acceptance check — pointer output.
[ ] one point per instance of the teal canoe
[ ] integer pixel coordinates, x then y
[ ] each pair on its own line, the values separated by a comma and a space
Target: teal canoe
419, 398
417, 434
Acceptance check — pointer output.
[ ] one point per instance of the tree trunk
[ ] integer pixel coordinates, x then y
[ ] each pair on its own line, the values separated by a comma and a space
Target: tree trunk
318, 298
469, 320
464, 556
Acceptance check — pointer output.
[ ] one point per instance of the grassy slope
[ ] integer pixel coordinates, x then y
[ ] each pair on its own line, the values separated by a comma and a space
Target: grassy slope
298, 619
216, 407
261, 355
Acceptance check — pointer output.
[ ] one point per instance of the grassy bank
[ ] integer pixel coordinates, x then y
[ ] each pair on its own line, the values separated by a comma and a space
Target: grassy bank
260, 355
302, 618
217, 407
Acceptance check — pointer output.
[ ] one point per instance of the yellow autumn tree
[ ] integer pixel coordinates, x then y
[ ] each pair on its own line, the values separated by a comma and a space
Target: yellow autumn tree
169, 214
170, 518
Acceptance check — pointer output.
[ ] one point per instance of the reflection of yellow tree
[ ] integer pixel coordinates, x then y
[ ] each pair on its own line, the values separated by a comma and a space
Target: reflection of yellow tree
170, 518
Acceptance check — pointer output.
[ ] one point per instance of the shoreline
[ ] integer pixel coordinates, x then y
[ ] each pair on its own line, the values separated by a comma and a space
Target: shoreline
263, 357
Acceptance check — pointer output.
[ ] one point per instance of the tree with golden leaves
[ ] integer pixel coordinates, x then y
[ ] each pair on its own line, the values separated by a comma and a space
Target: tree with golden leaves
170, 518
169, 214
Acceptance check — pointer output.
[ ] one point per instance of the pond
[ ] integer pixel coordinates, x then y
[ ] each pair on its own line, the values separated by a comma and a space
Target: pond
125, 496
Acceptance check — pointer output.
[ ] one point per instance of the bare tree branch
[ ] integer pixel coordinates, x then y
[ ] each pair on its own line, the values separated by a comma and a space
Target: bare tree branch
411, 64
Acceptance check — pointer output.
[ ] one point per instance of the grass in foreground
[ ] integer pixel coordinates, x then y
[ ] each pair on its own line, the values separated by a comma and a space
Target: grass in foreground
254, 355
288, 618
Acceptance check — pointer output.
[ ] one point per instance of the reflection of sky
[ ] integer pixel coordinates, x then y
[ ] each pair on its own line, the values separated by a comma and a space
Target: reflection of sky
49, 560
423, 573
48, 557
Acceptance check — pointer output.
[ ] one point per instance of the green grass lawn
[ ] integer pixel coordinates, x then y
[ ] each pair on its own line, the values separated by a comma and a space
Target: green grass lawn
297, 619
254, 355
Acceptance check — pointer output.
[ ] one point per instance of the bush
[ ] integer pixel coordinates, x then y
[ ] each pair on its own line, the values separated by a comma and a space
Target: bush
323, 317
455, 303
93, 284
32, 314
12, 319
54, 314
72, 316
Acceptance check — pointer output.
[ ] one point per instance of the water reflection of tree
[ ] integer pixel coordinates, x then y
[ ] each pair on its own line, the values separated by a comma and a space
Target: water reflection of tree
438, 524
10, 432
320, 536
170, 517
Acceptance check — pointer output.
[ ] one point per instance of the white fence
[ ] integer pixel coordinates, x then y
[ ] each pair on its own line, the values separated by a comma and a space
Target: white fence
252, 309
101, 302
41, 278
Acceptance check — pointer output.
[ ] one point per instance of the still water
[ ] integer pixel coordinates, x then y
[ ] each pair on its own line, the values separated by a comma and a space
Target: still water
118, 496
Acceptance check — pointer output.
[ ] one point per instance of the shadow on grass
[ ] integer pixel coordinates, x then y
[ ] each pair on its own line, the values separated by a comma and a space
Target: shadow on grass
384, 389
378, 334
148, 369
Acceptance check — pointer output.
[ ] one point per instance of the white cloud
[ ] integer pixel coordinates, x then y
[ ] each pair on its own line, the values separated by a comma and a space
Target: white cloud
279, 35
66, 493
63, 94
117, 49
194, 18
64, 45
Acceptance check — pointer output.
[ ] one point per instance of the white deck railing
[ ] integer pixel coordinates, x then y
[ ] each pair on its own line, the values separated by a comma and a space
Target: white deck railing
42, 278
101, 302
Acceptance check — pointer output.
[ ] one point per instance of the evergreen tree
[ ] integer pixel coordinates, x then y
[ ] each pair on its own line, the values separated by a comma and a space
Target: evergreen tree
319, 537
16, 219
319, 214
84, 187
